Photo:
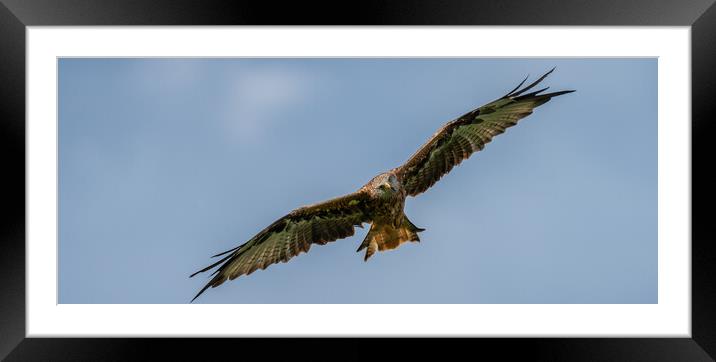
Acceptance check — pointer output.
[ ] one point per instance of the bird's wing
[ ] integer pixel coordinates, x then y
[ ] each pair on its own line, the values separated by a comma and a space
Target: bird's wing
292, 234
460, 138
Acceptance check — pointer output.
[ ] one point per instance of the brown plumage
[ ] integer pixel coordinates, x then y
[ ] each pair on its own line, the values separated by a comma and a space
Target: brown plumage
380, 202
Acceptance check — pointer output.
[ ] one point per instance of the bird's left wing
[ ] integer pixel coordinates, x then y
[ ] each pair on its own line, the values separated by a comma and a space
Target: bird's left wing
292, 234
460, 138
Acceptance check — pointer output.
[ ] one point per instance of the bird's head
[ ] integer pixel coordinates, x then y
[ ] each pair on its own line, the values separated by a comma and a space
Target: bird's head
385, 185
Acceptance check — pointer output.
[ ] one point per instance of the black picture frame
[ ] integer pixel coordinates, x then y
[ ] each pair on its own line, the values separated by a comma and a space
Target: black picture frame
16, 15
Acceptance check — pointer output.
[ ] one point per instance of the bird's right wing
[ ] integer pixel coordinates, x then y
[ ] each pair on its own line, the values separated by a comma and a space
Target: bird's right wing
292, 234
460, 138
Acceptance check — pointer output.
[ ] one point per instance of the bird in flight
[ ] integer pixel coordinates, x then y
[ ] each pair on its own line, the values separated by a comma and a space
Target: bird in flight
380, 202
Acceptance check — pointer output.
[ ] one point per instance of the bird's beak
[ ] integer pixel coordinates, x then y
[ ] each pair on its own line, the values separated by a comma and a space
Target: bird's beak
388, 185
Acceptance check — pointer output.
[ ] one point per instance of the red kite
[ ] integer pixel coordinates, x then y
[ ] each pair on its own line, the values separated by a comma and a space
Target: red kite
380, 202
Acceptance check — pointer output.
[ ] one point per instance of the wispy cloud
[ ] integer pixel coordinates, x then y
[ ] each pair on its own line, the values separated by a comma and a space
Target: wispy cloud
259, 100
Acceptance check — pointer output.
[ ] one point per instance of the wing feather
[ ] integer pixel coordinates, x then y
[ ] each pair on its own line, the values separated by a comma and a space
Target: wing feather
292, 234
459, 139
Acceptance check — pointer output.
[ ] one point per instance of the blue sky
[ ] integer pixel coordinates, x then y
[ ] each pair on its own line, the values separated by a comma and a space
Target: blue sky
165, 162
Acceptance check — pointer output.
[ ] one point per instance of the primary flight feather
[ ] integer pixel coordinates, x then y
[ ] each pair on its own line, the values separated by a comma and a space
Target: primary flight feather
380, 202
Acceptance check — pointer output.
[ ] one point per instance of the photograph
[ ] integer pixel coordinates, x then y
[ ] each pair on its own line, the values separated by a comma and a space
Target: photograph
357, 180
520, 178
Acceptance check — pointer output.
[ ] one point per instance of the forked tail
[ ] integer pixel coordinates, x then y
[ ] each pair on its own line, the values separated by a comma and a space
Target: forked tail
386, 237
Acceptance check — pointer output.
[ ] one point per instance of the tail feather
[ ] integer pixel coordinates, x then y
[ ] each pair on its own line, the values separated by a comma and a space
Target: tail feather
383, 237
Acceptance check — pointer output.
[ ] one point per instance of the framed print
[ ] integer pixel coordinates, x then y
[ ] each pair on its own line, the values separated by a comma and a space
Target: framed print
148, 149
